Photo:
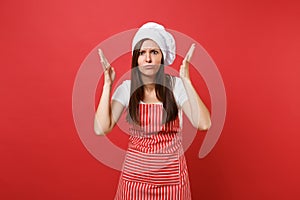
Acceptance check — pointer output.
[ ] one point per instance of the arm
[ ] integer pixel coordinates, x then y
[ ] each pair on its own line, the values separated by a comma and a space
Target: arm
107, 113
194, 107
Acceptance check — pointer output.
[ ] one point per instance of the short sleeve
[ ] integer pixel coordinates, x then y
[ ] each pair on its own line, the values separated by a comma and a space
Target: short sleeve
179, 92
122, 93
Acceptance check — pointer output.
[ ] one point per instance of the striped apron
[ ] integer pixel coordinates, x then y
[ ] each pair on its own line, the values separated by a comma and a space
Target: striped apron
154, 166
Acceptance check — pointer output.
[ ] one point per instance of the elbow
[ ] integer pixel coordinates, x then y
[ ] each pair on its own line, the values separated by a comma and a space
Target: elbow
99, 130
204, 126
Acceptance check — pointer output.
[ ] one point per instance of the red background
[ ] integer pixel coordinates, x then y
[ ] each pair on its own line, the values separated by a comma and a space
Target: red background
255, 45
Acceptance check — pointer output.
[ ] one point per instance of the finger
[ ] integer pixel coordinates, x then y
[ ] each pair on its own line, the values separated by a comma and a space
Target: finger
112, 69
100, 53
103, 66
113, 73
190, 53
104, 61
185, 62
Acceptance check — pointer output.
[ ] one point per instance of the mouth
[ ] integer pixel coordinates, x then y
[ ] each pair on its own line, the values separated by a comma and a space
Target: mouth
149, 66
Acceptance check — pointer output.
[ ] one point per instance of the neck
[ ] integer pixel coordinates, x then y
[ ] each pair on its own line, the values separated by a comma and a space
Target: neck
149, 87
148, 81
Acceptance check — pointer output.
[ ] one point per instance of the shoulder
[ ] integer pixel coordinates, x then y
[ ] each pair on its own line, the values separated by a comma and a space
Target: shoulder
125, 85
122, 93
176, 82
179, 90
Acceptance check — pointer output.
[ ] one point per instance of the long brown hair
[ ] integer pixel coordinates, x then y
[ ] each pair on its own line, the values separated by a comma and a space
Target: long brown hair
163, 88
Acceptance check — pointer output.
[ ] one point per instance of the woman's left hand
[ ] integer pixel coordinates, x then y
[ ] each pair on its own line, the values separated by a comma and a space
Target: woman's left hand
184, 68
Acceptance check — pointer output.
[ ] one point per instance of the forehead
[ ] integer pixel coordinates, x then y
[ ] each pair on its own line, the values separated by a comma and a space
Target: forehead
149, 44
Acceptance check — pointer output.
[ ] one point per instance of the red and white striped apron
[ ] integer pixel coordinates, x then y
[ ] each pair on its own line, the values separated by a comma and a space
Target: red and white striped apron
155, 166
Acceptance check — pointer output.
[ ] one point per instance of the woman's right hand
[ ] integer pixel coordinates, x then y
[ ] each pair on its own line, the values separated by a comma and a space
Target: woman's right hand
109, 72
109, 75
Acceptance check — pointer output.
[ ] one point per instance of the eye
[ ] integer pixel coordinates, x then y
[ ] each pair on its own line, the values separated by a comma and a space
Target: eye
155, 52
142, 53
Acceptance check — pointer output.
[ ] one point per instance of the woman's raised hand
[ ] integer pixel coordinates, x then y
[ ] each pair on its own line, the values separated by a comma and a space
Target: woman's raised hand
109, 72
184, 68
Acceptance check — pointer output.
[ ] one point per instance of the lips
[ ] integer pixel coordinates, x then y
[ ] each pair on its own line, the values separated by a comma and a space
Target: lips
149, 66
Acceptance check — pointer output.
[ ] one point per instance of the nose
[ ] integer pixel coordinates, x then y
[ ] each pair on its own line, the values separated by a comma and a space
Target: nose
148, 57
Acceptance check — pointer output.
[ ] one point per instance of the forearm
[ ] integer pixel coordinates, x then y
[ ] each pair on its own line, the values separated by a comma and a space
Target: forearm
199, 114
103, 119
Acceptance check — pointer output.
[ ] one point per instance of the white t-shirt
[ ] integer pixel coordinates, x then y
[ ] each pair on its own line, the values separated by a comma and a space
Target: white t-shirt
122, 93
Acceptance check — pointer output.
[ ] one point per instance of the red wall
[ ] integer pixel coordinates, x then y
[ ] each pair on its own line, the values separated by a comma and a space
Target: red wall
255, 45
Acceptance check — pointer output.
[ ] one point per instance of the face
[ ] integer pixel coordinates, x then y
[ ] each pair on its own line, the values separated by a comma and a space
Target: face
149, 59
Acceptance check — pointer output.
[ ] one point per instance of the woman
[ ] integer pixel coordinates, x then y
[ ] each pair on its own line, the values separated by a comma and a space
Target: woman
155, 166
